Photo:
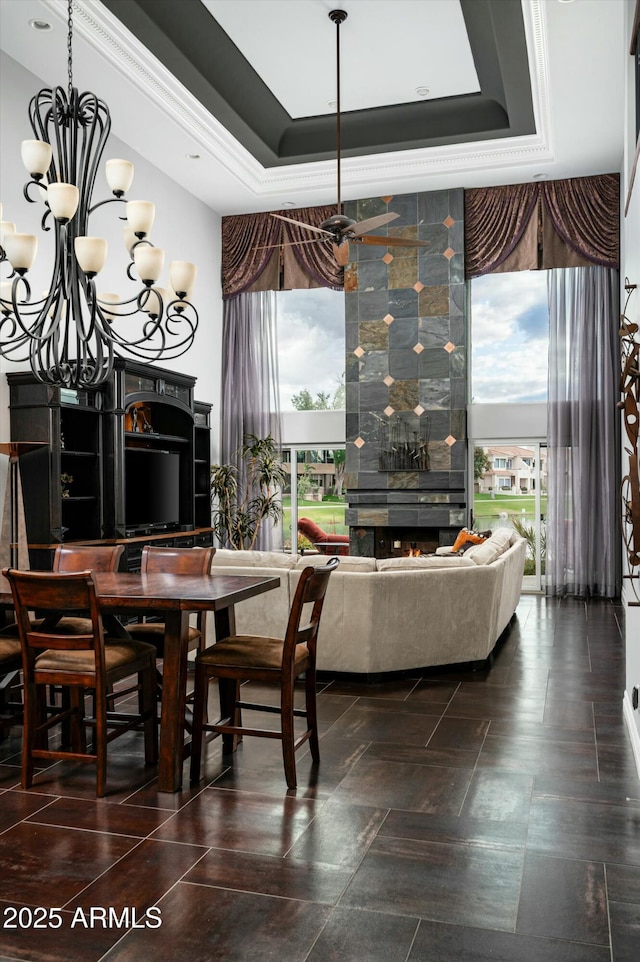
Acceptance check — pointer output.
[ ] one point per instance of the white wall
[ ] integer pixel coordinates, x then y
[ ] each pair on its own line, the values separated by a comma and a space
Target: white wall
630, 268
507, 421
313, 429
186, 228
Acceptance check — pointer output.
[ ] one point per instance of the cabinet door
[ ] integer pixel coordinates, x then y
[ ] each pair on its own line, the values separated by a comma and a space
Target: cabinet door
79, 485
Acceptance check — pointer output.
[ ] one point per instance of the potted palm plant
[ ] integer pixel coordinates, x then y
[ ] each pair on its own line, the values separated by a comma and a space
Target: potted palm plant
246, 494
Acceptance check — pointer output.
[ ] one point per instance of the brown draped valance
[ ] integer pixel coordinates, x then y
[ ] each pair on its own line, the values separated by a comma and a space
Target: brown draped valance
556, 223
262, 253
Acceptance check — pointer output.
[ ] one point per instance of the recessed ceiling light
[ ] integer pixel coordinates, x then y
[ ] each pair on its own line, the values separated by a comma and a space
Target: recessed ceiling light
422, 91
193, 156
332, 103
541, 176
289, 203
40, 25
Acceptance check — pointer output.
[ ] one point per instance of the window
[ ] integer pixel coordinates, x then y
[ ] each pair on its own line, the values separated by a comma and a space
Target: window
311, 349
509, 338
504, 484
502, 463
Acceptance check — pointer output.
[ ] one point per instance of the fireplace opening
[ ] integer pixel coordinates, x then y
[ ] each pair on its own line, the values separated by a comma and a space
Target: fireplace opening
382, 542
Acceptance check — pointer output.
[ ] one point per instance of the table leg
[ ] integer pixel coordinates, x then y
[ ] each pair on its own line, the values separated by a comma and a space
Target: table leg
225, 622
174, 694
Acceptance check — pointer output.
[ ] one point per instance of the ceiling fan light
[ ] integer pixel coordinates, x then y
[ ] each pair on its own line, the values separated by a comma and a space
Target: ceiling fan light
119, 175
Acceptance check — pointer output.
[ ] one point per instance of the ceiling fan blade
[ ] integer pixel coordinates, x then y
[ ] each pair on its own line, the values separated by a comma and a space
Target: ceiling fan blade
341, 253
370, 224
390, 241
299, 223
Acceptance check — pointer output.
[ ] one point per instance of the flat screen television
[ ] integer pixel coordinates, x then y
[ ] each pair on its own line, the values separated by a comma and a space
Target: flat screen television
152, 485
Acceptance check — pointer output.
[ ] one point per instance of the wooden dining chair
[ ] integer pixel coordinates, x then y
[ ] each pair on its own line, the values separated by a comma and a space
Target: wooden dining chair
241, 658
175, 561
77, 663
10, 666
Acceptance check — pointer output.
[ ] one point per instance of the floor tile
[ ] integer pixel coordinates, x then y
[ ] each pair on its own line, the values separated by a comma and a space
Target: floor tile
446, 883
351, 934
498, 796
48, 866
241, 821
625, 931
585, 830
416, 788
339, 834
312, 881
563, 899
232, 926
457, 943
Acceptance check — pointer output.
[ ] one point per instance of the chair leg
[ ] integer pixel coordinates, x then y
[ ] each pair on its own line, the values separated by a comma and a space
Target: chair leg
100, 743
288, 734
312, 717
229, 696
78, 731
30, 722
149, 710
200, 692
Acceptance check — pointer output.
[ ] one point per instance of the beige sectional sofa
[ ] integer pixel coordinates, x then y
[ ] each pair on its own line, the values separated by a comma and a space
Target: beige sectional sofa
393, 614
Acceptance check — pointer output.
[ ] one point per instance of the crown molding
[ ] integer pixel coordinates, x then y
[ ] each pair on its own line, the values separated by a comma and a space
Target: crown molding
108, 37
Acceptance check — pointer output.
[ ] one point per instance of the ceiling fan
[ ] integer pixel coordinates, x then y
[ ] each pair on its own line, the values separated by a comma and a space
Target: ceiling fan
338, 228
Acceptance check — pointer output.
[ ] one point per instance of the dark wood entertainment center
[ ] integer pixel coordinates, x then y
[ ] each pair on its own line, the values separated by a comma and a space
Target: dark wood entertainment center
127, 462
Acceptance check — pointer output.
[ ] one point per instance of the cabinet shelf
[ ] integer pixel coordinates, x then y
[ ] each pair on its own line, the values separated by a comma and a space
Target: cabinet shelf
174, 438
91, 453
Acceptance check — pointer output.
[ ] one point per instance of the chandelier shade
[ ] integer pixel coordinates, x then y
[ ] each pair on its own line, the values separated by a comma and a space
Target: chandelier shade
71, 335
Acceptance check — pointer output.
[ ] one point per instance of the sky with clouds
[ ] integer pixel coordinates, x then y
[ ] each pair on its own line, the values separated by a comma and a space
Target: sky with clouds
509, 337
310, 342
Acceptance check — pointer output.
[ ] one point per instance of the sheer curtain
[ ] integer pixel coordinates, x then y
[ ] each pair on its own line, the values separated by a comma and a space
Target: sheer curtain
250, 400
583, 541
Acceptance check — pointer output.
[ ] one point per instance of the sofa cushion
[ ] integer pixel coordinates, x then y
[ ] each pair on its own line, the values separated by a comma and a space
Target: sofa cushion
422, 563
491, 549
254, 559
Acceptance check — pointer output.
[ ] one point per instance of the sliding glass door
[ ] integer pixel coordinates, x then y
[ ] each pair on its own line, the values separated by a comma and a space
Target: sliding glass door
315, 491
510, 491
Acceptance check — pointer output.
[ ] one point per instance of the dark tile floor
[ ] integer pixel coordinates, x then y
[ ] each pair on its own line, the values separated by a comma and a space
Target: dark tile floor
488, 816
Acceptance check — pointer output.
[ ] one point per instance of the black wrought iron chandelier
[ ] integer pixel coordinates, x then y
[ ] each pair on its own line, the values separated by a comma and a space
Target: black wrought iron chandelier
71, 335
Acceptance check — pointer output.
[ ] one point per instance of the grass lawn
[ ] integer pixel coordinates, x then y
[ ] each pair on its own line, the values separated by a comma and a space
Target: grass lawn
328, 515
487, 508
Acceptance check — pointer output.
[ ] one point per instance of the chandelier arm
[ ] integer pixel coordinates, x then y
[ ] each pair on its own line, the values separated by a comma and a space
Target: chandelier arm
109, 200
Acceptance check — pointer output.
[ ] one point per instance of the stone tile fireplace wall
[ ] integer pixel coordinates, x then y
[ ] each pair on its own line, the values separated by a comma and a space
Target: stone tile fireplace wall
406, 377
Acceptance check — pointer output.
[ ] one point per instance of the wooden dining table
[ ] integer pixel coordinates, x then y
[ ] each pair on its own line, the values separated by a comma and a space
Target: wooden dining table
174, 598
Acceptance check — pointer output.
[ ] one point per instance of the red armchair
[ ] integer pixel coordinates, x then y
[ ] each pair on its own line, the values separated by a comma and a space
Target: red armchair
316, 536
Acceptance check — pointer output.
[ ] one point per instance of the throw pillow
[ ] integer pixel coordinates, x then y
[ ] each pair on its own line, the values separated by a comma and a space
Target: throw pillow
464, 537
